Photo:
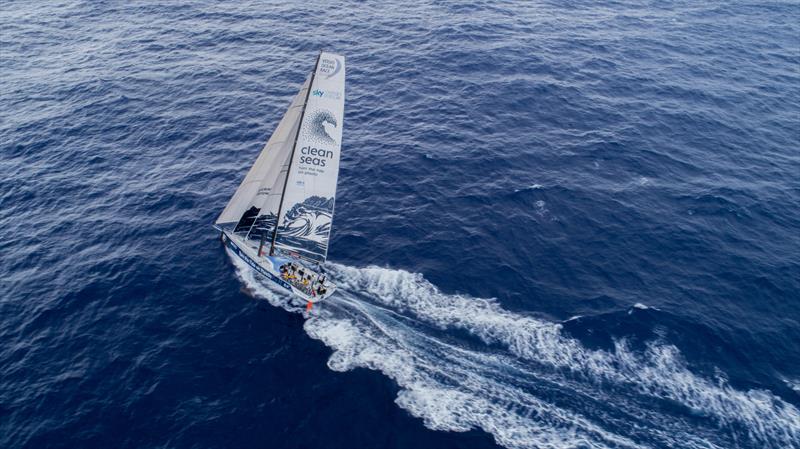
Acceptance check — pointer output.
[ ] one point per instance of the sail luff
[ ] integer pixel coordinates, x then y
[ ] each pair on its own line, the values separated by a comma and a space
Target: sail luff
291, 158
267, 205
306, 211
261, 172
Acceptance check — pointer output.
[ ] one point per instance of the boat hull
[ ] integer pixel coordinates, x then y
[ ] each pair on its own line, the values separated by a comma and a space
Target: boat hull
268, 267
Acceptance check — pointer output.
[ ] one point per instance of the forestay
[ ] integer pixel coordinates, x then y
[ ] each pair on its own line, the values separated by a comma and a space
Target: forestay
259, 194
306, 209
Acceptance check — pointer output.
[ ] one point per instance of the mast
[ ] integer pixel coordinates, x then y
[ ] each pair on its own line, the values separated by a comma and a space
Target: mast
249, 230
263, 172
289, 169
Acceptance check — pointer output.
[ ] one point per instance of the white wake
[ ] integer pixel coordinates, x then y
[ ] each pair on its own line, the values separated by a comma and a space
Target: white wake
520, 378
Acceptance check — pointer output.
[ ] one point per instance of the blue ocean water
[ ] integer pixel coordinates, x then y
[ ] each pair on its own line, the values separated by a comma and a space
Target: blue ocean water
559, 225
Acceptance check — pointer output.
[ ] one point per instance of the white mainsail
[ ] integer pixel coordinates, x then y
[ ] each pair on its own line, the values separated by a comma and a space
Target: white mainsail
306, 209
252, 198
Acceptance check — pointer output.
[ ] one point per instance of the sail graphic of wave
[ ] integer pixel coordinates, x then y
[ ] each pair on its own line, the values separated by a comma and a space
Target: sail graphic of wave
319, 127
465, 363
309, 224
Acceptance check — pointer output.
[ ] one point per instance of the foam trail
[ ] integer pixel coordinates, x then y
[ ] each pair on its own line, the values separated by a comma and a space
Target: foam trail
530, 187
526, 384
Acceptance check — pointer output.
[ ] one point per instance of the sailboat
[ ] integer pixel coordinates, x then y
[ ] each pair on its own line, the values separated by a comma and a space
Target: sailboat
279, 219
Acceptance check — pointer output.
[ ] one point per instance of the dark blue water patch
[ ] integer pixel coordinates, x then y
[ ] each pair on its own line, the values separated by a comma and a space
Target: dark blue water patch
640, 326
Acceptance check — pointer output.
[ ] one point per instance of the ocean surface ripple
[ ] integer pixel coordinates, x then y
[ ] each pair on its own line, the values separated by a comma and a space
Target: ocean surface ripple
559, 225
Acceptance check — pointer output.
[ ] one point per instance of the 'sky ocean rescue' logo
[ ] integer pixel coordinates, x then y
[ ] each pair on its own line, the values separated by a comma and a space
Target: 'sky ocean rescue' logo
330, 94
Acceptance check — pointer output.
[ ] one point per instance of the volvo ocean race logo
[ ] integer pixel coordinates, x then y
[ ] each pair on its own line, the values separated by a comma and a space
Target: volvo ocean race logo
329, 67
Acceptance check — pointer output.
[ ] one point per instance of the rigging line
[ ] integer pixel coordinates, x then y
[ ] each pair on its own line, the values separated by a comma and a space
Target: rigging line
258, 215
289, 170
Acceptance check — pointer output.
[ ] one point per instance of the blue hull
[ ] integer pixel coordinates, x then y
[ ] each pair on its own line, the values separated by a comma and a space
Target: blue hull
261, 270
273, 275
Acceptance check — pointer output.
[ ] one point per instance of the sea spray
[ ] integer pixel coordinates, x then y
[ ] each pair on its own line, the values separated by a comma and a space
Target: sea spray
390, 321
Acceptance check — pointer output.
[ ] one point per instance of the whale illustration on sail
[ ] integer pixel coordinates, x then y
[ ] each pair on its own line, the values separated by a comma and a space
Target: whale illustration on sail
279, 219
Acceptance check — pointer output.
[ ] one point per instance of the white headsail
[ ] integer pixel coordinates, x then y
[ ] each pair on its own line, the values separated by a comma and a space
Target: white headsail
307, 204
258, 195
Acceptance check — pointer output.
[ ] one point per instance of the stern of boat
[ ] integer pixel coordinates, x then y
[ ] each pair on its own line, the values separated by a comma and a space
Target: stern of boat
291, 274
